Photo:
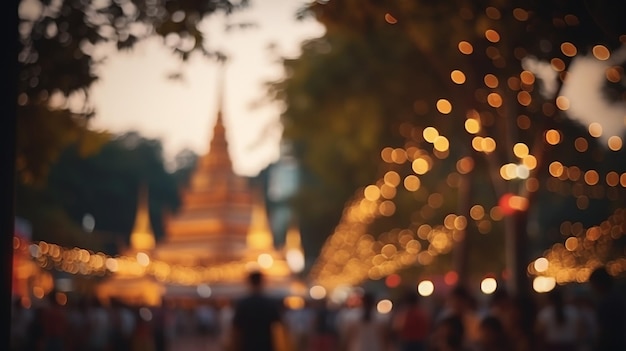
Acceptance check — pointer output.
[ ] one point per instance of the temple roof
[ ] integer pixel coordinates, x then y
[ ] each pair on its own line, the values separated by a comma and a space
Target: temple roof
260, 233
142, 236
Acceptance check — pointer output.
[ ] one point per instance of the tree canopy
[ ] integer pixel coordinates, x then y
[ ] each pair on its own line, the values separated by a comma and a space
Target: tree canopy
57, 42
104, 188
450, 93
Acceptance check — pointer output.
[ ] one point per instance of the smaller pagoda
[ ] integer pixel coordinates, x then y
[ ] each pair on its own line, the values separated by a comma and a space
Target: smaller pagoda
130, 281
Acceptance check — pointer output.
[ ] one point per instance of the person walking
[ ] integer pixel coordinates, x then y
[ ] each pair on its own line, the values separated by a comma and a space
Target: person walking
610, 312
368, 332
412, 324
558, 324
257, 323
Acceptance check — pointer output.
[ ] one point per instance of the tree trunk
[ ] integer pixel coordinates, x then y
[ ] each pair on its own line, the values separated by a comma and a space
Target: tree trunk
516, 250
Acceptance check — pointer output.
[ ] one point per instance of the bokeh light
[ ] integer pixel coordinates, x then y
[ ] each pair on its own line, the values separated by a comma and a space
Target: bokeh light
425, 288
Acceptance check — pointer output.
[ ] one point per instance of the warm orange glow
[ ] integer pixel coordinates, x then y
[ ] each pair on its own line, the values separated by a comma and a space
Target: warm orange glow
508, 171
465, 165
387, 208
520, 14
524, 98
488, 144
412, 182
387, 191
444, 106
472, 126
494, 100
527, 77
492, 13
612, 178
557, 64
477, 143
492, 35
398, 156
465, 47
392, 178
562, 103
556, 169
518, 203
441, 143
520, 150
457, 77
615, 143
593, 233
541, 264
430, 134
553, 137
513, 83
595, 130
601, 52
420, 166
581, 144
573, 173
491, 81
477, 212
592, 177
529, 161
371, 193
571, 243
568, 49
613, 74
385, 154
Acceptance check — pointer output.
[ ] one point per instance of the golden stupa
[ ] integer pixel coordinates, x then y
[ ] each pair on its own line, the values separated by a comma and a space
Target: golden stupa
218, 235
130, 281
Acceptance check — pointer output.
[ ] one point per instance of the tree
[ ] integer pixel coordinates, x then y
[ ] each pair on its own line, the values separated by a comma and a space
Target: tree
105, 188
469, 110
57, 50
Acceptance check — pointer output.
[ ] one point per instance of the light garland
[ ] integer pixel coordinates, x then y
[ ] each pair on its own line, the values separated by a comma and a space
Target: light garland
80, 261
582, 251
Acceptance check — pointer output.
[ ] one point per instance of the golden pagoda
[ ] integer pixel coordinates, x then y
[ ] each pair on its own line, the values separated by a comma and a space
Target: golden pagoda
222, 225
212, 223
218, 235
130, 281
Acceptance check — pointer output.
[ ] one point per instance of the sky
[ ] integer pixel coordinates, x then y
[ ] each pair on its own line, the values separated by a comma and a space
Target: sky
134, 93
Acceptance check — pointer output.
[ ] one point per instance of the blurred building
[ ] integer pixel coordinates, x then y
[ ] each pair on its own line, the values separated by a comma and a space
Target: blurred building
220, 233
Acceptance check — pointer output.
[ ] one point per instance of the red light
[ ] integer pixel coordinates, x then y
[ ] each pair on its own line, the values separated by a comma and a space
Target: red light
451, 278
393, 280
505, 204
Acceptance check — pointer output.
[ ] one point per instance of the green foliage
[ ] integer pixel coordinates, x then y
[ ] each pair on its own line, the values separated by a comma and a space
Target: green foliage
106, 186
57, 41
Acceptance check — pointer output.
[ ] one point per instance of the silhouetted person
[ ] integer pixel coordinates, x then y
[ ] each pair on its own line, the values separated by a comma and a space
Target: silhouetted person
323, 331
255, 318
368, 331
492, 335
462, 303
559, 324
610, 313
412, 324
449, 335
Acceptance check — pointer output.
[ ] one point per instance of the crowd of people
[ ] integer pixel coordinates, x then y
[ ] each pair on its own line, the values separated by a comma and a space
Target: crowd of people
557, 321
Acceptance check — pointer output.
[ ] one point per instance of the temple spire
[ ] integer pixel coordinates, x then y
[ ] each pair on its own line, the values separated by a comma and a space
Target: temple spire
219, 144
142, 236
216, 159
260, 233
